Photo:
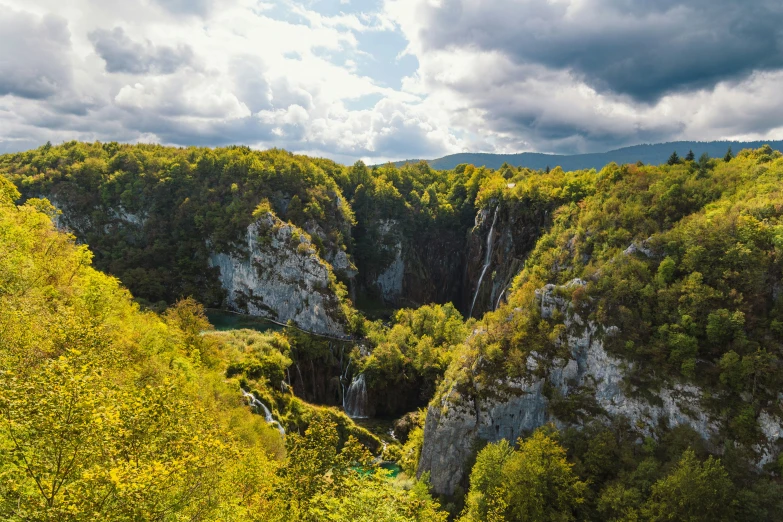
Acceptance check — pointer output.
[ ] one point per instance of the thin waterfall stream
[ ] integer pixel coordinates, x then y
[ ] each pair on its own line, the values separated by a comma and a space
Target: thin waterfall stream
502, 293
487, 260
260, 406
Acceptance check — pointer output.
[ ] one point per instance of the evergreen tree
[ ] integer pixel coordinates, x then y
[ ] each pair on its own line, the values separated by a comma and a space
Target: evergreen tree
729, 155
691, 156
704, 162
674, 159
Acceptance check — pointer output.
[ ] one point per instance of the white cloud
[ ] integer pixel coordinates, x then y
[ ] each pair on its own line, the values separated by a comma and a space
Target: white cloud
283, 74
507, 99
189, 73
34, 50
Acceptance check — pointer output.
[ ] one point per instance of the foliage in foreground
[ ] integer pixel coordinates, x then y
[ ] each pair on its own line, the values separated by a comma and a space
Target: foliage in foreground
111, 413
533, 482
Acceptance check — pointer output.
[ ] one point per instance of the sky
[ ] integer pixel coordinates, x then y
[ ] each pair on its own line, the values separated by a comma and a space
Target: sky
386, 80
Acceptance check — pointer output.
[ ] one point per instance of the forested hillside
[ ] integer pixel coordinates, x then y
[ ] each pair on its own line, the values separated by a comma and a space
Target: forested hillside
153, 215
649, 154
113, 413
542, 345
648, 316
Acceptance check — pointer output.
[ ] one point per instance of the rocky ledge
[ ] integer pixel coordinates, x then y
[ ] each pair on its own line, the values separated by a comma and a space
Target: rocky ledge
455, 422
277, 273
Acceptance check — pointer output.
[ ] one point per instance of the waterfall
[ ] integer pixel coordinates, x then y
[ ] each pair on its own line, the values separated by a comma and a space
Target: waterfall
355, 399
497, 305
487, 260
344, 378
260, 406
500, 297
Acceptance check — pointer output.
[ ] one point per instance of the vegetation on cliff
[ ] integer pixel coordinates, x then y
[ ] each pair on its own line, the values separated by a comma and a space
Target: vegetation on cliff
683, 262
152, 214
110, 412
679, 267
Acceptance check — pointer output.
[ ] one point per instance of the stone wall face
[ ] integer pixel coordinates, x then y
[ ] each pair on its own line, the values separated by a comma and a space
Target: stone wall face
279, 275
518, 406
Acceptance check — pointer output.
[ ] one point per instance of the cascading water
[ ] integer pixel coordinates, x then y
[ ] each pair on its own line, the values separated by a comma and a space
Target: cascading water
500, 297
487, 260
355, 402
260, 406
344, 378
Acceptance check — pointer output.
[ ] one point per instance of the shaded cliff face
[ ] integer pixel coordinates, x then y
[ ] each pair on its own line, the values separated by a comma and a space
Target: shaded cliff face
148, 212
514, 407
388, 283
499, 252
416, 269
435, 261
436, 265
279, 275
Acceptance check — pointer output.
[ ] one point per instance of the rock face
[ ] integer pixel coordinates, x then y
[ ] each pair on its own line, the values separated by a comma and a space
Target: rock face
454, 422
281, 277
389, 282
115, 221
515, 232
335, 256
417, 269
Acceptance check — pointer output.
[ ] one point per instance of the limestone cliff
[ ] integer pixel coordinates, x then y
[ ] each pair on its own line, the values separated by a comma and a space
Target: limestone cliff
513, 407
389, 281
276, 273
341, 263
112, 221
497, 246
418, 269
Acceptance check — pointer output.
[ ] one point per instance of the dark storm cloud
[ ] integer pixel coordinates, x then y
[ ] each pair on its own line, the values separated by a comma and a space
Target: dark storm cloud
123, 55
34, 55
640, 48
212, 134
571, 134
7, 146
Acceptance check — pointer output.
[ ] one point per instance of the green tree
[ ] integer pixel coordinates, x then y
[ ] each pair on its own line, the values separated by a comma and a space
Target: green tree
729, 155
486, 497
620, 503
704, 163
533, 483
666, 271
693, 492
690, 156
674, 159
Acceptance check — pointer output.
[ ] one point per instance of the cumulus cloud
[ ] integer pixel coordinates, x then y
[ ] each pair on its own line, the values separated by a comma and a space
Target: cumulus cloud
389, 130
251, 85
588, 75
175, 99
35, 59
123, 55
490, 75
638, 48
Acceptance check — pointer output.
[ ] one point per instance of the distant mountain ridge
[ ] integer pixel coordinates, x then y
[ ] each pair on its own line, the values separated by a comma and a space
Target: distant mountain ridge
649, 154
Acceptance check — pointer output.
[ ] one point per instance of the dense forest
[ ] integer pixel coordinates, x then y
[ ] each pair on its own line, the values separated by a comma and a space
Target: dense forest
651, 154
543, 345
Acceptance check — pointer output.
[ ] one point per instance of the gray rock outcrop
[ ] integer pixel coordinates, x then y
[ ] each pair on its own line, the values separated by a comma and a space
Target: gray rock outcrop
518, 406
280, 276
516, 230
389, 282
